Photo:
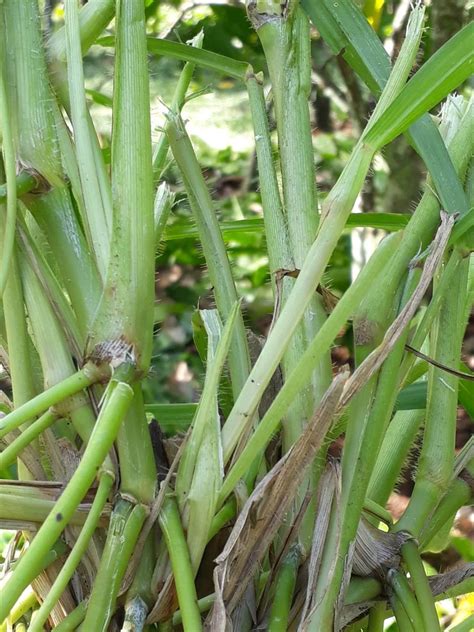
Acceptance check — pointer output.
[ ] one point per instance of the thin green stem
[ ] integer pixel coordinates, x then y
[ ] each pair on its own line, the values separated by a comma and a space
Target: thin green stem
74, 619
98, 228
19, 344
213, 245
402, 590
422, 589
36, 139
204, 58
93, 18
54, 594
222, 517
137, 463
12, 451
25, 182
52, 289
276, 232
376, 617
204, 604
77, 271
401, 616
27, 601
101, 440
338, 205
19, 504
394, 451
170, 523
125, 526
303, 371
459, 493
10, 171
164, 200
284, 590
436, 461
432, 310
160, 151
84, 378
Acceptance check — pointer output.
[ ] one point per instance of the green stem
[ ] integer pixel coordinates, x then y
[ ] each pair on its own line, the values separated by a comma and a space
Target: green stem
36, 139
432, 310
163, 203
170, 523
284, 589
179, 98
402, 590
222, 517
27, 601
77, 269
10, 171
101, 440
435, 466
286, 45
125, 526
303, 371
93, 18
19, 344
54, 594
459, 493
401, 616
204, 604
126, 311
11, 452
338, 204
376, 617
395, 448
73, 619
213, 246
276, 232
17, 504
98, 228
89, 374
421, 586
137, 463
25, 182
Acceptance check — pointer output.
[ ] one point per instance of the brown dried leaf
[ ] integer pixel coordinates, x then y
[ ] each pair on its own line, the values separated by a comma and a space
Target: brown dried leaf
327, 490
264, 511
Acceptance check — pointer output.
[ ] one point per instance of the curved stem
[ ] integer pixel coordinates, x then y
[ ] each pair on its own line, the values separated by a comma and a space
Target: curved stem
101, 440
170, 523
10, 453
74, 619
80, 546
404, 593
84, 378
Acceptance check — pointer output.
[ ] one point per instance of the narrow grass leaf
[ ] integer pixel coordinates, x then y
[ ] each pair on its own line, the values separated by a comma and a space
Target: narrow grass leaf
206, 59
207, 408
390, 222
345, 28
452, 64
